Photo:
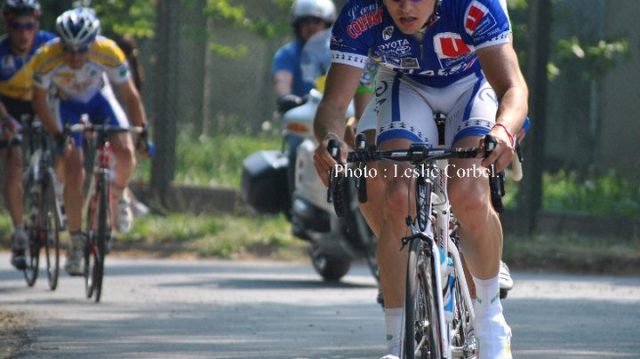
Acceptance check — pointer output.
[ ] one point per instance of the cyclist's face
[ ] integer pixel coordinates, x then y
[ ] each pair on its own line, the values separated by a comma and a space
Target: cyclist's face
410, 15
76, 59
310, 26
22, 30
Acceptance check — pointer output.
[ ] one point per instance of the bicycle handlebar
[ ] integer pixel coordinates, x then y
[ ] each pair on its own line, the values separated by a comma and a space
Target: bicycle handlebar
81, 127
416, 154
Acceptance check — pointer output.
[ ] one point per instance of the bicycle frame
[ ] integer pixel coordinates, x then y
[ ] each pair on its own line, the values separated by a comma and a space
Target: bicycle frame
437, 235
101, 169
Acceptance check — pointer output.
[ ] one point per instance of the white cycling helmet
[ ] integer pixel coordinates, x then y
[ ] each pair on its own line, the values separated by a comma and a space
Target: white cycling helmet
21, 7
322, 9
78, 28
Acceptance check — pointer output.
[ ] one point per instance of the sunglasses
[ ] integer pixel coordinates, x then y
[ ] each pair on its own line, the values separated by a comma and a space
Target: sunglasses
29, 26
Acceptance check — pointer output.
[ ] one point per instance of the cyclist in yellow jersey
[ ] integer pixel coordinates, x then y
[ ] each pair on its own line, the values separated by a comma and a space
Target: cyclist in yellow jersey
78, 64
17, 47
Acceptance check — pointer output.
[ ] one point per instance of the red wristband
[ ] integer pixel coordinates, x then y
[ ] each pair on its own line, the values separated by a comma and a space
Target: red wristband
511, 137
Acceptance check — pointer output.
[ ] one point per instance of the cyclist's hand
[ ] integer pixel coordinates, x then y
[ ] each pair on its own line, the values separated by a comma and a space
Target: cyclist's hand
143, 145
504, 150
322, 159
10, 127
287, 102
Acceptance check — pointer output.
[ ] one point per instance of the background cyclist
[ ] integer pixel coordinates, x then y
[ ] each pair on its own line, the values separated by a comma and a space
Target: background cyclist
17, 47
451, 57
76, 64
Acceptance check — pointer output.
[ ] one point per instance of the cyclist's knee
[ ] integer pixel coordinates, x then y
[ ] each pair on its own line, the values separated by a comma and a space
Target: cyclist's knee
469, 199
395, 198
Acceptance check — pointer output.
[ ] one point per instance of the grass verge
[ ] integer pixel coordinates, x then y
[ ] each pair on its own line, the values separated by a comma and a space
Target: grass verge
217, 236
573, 253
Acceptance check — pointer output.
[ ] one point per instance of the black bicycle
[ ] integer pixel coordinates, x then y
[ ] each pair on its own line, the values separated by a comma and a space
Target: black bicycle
97, 204
44, 214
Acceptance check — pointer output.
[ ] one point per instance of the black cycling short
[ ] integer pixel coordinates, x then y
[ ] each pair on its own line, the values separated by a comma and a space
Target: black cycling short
17, 108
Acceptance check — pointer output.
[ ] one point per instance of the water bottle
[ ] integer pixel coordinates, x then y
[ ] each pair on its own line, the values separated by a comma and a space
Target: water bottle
448, 281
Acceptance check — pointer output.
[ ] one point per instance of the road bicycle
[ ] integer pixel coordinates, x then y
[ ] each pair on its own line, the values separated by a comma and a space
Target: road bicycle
97, 203
438, 308
44, 214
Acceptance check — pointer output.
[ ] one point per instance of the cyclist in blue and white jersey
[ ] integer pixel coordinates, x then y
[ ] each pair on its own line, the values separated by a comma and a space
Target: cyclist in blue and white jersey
17, 47
449, 56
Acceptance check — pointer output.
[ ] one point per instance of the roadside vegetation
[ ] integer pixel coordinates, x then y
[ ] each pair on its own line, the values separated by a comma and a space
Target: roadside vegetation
217, 161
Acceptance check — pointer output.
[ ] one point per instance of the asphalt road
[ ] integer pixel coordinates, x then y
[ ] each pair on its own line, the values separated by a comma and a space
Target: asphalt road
157, 308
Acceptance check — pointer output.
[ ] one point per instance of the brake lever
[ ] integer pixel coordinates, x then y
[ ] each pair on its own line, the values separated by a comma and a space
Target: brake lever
333, 147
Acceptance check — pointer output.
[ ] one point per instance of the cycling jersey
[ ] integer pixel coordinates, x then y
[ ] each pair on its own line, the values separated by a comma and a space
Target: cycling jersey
444, 55
81, 85
287, 58
16, 72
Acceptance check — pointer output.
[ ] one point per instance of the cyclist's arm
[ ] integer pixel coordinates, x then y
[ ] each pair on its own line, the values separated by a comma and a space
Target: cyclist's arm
132, 102
500, 66
282, 83
341, 85
342, 81
42, 110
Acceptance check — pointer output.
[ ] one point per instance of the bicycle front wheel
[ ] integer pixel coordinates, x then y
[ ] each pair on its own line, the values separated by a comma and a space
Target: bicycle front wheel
31, 208
96, 248
51, 231
422, 338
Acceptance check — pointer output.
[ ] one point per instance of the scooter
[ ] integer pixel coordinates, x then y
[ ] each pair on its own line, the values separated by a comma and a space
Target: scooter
334, 242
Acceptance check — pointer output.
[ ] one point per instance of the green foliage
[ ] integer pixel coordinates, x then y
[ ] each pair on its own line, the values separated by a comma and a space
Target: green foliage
594, 59
220, 236
217, 160
608, 194
232, 12
133, 17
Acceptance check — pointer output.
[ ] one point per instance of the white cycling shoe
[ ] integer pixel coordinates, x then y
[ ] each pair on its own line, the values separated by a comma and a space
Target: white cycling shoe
389, 356
494, 337
125, 215
506, 282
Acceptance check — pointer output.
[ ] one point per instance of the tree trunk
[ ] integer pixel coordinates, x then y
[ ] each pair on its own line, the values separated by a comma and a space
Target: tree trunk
539, 26
165, 129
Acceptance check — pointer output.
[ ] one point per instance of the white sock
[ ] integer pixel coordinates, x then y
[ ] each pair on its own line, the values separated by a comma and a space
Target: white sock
393, 322
492, 331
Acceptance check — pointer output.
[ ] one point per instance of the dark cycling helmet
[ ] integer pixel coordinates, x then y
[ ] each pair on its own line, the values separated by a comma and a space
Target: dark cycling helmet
21, 7
78, 28
322, 9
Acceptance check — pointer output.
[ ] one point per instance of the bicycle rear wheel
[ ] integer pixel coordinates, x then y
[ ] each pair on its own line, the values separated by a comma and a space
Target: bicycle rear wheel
51, 230
422, 339
96, 249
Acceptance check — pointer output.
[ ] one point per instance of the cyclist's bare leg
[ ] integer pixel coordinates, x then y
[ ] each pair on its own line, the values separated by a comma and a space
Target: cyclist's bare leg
124, 153
392, 261
73, 194
481, 239
480, 228
13, 191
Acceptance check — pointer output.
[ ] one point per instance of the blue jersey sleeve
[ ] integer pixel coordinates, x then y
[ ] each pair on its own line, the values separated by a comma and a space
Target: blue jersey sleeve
285, 59
486, 23
353, 32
